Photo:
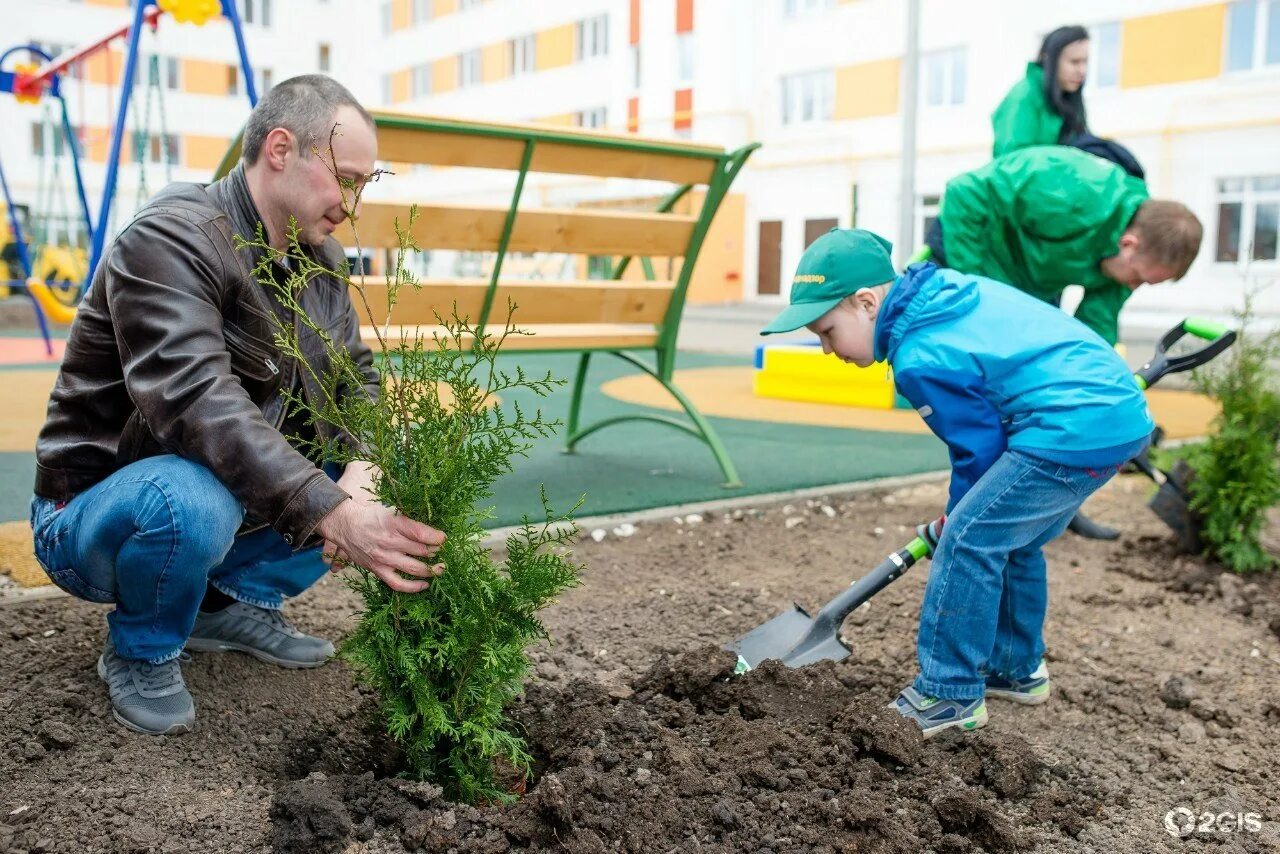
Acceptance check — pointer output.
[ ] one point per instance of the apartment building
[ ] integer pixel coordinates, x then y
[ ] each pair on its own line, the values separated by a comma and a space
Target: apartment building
1192, 88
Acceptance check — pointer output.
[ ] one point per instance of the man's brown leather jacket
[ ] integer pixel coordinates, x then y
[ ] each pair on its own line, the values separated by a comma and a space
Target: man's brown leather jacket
172, 353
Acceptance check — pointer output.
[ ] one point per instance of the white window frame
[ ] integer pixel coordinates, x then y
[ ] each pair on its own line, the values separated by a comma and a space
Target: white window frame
592, 38
1262, 11
386, 17
470, 69
950, 59
635, 66
1093, 78
1248, 195
421, 11
465, 5
685, 55
324, 57
593, 117
420, 80
522, 54
386, 88
808, 97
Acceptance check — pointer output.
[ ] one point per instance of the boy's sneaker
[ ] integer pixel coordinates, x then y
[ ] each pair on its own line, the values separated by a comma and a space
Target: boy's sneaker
147, 698
933, 715
1030, 690
261, 632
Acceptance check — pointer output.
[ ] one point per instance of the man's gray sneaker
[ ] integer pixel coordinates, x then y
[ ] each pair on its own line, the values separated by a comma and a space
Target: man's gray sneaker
147, 698
1030, 690
261, 632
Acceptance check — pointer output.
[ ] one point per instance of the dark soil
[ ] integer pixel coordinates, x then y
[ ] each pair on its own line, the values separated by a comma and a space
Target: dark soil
1165, 696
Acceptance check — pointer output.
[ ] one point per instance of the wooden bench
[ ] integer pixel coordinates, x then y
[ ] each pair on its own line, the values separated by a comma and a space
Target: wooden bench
631, 319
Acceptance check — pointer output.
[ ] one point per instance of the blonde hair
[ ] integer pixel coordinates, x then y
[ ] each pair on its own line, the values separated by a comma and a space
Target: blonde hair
1168, 233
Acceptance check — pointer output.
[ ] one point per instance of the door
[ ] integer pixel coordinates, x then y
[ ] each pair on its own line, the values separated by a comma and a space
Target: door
770, 258
815, 228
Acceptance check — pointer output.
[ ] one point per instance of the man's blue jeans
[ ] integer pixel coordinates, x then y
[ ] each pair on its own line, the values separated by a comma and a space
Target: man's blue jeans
985, 602
148, 538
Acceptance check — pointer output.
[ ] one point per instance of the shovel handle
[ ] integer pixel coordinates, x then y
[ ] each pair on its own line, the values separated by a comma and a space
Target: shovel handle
890, 569
1219, 338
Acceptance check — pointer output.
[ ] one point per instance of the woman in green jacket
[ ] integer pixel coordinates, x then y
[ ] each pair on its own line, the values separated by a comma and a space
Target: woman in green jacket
1047, 106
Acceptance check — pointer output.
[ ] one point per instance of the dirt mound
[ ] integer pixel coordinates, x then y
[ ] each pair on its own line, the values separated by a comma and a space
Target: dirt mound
777, 760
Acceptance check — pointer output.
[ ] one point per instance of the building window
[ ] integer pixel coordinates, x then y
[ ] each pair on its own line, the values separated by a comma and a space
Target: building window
944, 77
1253, 34
464, 5
593, 37
1104, 56
323, 58
596, 117
796, 8
169, 70
521, 55
265, 80
49, 139
1248, 219
421, 11
386, 88
684, 57
385, 16
635, 66
256, 12
807, 97
233, 80
164, 148
468, 68
420, 81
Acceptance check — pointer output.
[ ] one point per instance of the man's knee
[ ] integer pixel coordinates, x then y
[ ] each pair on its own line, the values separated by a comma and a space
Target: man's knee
201, 508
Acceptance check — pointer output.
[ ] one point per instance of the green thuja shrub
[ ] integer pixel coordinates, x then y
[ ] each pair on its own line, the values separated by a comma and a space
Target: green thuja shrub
1237, 475
447, 661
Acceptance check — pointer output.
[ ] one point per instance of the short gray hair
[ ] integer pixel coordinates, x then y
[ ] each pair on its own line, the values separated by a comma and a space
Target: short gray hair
304, 106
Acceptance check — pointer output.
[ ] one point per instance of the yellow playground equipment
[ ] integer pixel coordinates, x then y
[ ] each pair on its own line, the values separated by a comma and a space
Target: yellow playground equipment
800, 371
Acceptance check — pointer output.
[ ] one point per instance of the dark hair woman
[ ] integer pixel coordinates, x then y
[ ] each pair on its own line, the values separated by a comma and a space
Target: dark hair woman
1047, 106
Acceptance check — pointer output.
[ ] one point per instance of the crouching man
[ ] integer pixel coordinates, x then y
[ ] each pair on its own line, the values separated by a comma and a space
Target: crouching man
169, 479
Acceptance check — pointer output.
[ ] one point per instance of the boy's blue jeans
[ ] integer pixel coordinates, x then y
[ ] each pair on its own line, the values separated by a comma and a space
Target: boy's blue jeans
149, 537
985, 602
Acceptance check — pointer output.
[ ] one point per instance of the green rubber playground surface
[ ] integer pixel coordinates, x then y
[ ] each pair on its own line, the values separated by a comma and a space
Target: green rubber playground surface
641, 465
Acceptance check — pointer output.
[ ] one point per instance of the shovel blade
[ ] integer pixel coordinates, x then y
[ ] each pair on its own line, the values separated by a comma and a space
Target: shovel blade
792, 638
773, 639
1170, 504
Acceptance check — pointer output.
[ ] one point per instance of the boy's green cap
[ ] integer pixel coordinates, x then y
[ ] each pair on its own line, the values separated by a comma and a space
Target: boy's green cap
837, 264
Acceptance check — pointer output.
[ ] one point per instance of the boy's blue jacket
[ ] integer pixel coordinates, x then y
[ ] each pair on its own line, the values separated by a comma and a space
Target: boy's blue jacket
990, 368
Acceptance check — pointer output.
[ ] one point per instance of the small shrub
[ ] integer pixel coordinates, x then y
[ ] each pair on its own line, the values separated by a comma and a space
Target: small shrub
1237, 476
445, 662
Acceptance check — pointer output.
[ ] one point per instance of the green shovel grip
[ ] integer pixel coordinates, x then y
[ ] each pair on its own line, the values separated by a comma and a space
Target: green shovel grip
1206, 329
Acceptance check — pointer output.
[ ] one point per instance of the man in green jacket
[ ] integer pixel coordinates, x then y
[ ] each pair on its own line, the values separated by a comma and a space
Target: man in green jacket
1049, 216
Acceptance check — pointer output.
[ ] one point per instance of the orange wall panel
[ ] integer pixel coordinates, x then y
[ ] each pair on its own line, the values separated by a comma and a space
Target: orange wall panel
684, 16
444, 74
868, 89
554, 47
633, 30
400, 81
105, 67
203, 152
202, 77
400, 15
633, 114
493, 62
1173, 47
683, 116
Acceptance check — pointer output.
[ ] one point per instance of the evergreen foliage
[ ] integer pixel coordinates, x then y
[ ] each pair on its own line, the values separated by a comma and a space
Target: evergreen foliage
1237, 473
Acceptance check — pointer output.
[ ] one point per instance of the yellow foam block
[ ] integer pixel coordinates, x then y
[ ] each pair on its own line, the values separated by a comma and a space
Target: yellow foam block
797, 372
788, 387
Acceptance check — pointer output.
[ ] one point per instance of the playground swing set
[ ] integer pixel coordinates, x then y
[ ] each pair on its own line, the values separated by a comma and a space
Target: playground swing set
47, 250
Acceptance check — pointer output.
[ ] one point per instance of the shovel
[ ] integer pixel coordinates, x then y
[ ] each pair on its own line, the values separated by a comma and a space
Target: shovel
795, 638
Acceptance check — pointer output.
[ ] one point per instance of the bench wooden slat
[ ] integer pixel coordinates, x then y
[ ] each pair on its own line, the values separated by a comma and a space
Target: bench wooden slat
597, 232
592, 301
543, 336
436, 144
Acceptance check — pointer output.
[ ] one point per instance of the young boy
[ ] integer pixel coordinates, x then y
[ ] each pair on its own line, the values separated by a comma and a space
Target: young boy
1037, 411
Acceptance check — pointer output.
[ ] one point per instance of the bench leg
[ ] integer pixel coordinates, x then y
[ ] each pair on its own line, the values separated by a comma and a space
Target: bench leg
701, 429
575, 405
